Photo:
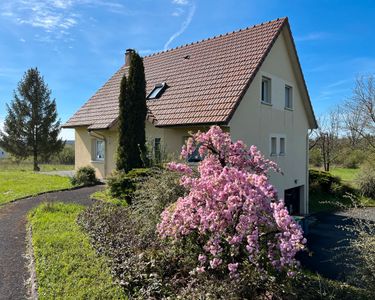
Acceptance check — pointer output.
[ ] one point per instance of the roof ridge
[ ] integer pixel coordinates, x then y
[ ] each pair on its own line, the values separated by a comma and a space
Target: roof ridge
284, 19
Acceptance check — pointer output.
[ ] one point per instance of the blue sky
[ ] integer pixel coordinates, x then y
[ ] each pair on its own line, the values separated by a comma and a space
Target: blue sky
78, 44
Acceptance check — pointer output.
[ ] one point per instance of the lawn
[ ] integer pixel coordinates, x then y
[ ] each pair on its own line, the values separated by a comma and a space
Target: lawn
348, 176
67, 267
16, 184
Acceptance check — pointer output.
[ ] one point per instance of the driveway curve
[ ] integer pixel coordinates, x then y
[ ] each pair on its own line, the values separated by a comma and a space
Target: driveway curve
13, 270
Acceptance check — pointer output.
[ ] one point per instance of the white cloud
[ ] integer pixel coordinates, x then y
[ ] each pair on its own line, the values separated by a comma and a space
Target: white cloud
312, 36
178, 12
180, 2
51, 16
184, 25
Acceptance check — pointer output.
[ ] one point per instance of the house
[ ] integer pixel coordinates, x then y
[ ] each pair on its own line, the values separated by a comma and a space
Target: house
248, 81
2, 153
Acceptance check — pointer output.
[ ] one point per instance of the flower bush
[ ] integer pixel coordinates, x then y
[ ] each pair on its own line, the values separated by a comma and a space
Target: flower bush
231, 212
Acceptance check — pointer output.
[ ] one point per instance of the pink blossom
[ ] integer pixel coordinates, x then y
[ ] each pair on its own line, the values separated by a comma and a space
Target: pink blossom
232, 205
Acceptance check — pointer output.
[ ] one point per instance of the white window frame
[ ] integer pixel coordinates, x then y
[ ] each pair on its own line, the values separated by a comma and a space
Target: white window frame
157, 150
266, 98
277, 138
290, 93
273, 150
96, 156
282, 153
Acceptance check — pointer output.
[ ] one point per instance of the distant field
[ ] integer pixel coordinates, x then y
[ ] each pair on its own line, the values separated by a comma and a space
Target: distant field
320, 202
347, 175
6, 165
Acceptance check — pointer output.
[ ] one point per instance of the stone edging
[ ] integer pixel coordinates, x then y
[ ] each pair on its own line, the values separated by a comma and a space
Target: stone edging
31, 282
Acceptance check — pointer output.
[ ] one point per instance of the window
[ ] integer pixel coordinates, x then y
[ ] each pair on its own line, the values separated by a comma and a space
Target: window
157, 91
278, 145
266, 90
282, 146
157, 150
273, 146
99, 150
288, 97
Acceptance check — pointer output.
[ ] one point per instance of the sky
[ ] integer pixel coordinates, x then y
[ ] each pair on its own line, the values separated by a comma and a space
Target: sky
78, 44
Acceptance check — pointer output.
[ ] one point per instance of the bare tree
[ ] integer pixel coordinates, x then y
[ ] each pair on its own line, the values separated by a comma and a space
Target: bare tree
359, 113
327, 138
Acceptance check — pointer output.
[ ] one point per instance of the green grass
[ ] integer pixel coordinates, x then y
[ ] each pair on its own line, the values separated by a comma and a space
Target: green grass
320, 202
106, 197
8, 165
67, 267
347, 176
17, 184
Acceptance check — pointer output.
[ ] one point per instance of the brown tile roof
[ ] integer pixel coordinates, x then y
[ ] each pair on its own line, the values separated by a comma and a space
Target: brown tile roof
203, 89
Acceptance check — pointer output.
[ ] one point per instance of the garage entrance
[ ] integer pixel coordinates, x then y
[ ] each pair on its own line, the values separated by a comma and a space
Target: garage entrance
293, 199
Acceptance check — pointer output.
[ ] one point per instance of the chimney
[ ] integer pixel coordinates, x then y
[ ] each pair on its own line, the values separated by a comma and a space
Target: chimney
128, 53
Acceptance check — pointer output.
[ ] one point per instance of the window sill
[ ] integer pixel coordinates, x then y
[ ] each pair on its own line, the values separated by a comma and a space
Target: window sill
265, 103
273, 155
282, 154
97, 161
288, 108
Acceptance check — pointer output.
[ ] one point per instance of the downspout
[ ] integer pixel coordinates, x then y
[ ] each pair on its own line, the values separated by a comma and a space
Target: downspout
102, 137
307, 176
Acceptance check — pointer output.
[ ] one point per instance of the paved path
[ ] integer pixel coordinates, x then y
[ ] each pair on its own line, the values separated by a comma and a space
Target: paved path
13, 271
326, 240
69, 173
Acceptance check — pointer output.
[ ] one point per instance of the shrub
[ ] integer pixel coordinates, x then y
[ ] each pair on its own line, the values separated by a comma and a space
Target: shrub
366, 180
232, 214
85, 176
315, 157
354, 159
66, 156
321, 181
153, 195
122, 185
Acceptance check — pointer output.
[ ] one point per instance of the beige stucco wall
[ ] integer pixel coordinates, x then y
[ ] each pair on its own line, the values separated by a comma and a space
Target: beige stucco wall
171, 141
255, 122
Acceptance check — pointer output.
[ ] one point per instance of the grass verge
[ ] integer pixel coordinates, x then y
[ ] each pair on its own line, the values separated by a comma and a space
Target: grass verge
67, 267
19, 184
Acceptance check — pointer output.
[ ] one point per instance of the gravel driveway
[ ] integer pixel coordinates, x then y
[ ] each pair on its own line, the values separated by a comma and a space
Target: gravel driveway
13, 271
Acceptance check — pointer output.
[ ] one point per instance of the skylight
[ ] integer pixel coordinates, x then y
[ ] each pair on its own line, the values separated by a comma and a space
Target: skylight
157, 91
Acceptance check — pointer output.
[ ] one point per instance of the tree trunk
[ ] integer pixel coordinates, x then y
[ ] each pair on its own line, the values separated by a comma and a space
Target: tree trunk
36, 167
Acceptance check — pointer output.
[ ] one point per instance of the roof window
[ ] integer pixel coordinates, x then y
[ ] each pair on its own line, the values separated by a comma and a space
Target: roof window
157, 91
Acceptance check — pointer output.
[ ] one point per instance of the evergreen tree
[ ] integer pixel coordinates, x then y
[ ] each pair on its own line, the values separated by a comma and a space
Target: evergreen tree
132, 115
31, 127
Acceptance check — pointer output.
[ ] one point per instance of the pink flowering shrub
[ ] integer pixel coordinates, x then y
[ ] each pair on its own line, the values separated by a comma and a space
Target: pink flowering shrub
231, 212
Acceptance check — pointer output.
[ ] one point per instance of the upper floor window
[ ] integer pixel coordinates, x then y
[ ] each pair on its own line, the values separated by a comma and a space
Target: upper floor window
288, 97
278, 145
282, 146
99, 149
273, 146
266, 90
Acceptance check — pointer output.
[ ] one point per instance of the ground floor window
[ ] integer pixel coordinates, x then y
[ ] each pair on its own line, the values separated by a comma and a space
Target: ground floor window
99, 149
157, 150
